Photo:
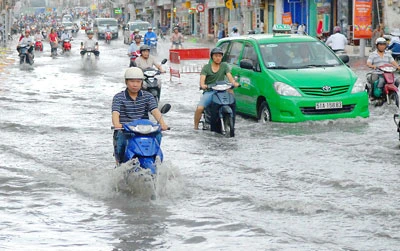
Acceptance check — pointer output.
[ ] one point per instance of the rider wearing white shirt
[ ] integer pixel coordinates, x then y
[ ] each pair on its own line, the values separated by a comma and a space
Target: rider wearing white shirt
337, 41
38, 36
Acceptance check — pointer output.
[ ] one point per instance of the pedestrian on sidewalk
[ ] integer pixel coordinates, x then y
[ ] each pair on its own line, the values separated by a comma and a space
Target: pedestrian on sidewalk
378, 32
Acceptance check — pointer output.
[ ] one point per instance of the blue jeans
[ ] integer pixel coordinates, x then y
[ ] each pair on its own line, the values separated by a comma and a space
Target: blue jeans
206, 99
120, 141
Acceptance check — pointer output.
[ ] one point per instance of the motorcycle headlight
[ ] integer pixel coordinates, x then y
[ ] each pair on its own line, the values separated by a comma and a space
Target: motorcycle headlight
150, 73
359, 86
285, 89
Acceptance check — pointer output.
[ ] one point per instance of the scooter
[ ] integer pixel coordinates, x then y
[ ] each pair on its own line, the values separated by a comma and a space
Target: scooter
153, 46
397, 122
143, 144
108, 37
151, 83
219, 116
25, 56
38, 46
66, 46
389, 93
133, 56
89, 60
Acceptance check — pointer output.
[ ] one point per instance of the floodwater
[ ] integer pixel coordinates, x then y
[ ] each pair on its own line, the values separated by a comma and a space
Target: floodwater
325, 185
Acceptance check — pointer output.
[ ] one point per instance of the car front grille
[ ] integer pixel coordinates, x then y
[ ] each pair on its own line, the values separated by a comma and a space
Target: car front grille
313, 111
318, 91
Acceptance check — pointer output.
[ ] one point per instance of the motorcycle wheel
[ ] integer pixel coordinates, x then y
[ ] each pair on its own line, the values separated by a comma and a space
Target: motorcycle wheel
393, 97
228, 125
264, 114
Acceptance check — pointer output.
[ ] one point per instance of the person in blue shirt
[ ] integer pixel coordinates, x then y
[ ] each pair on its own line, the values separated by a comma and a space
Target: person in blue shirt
394, 45
149, 34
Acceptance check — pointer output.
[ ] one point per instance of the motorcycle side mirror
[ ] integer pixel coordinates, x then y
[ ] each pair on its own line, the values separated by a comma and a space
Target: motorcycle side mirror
165, 108
164, 61
345, 58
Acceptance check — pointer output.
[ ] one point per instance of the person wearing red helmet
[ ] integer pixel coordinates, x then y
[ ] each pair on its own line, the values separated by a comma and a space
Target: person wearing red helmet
337, 41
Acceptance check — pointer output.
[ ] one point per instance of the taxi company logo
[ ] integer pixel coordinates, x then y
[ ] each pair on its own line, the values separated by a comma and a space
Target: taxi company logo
326, 88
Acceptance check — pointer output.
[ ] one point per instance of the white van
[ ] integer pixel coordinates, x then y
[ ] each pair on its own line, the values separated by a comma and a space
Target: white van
131, 26
100, 25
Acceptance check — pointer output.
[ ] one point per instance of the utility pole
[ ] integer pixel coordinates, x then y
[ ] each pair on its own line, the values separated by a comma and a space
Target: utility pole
172, 15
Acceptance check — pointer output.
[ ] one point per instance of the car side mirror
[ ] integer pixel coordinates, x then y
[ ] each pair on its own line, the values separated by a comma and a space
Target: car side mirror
345, 58
246, 64
164, 61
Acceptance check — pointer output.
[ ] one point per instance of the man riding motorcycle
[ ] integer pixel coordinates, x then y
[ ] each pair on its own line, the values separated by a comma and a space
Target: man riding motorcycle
378, 58
134, 50
129, 105
26, 41
146, 60
337, 41
91, 44
149, 34
212, 72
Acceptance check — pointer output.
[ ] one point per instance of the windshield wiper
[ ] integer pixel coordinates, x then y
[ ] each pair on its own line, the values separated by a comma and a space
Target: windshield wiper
278, 67
318, 65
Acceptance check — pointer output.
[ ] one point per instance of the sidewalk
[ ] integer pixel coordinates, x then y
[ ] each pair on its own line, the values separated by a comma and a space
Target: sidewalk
354, 51
6, 58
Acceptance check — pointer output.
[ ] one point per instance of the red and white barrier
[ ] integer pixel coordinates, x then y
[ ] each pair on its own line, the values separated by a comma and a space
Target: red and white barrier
187, 60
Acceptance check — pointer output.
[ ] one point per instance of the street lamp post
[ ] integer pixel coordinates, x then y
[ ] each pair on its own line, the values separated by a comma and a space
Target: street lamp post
172, 15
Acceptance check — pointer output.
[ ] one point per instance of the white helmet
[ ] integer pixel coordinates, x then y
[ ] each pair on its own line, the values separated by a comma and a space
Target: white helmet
134, 73
380, 40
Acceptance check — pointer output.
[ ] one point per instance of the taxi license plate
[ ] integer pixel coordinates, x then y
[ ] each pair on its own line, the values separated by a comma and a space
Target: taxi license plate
328, 105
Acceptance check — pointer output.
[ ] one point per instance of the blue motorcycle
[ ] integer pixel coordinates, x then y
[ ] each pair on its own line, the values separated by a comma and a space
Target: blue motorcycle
143, 148
220, 115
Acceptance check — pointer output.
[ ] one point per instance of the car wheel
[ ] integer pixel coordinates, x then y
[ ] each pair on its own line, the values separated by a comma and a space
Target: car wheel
264, 114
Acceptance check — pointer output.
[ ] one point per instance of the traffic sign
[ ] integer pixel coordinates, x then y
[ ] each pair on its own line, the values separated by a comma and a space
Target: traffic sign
200, 7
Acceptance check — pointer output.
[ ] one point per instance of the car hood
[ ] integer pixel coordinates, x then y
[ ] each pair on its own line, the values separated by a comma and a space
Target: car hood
315, 77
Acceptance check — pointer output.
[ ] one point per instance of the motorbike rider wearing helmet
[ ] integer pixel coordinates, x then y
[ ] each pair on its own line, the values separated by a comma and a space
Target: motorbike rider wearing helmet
134, 50
212, 72
132, 104
176, 39
91, 44
337, 41
146, 60
394, 44
149, 34
26, 41
234, 33
378, 58
134, 33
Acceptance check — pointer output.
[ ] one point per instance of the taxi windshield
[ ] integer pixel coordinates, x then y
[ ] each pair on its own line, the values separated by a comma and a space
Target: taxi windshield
296, 55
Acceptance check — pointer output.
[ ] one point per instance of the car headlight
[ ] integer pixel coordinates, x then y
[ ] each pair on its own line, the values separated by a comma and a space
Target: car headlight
285, 89
359, 86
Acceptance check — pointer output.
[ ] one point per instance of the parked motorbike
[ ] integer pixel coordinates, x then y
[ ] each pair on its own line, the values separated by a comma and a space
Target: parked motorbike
25, 56
219, 116
108, 37
38, 46
389, 93
143, 151
151, 83
153, 46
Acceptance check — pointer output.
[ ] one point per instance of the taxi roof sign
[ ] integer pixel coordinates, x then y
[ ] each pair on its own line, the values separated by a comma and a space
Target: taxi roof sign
281, 28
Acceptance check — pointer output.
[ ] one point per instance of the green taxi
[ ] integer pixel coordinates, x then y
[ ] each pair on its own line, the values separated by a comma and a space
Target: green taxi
292, 78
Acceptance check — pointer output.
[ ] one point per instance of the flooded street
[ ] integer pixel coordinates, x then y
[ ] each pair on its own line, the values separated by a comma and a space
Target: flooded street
319, 185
